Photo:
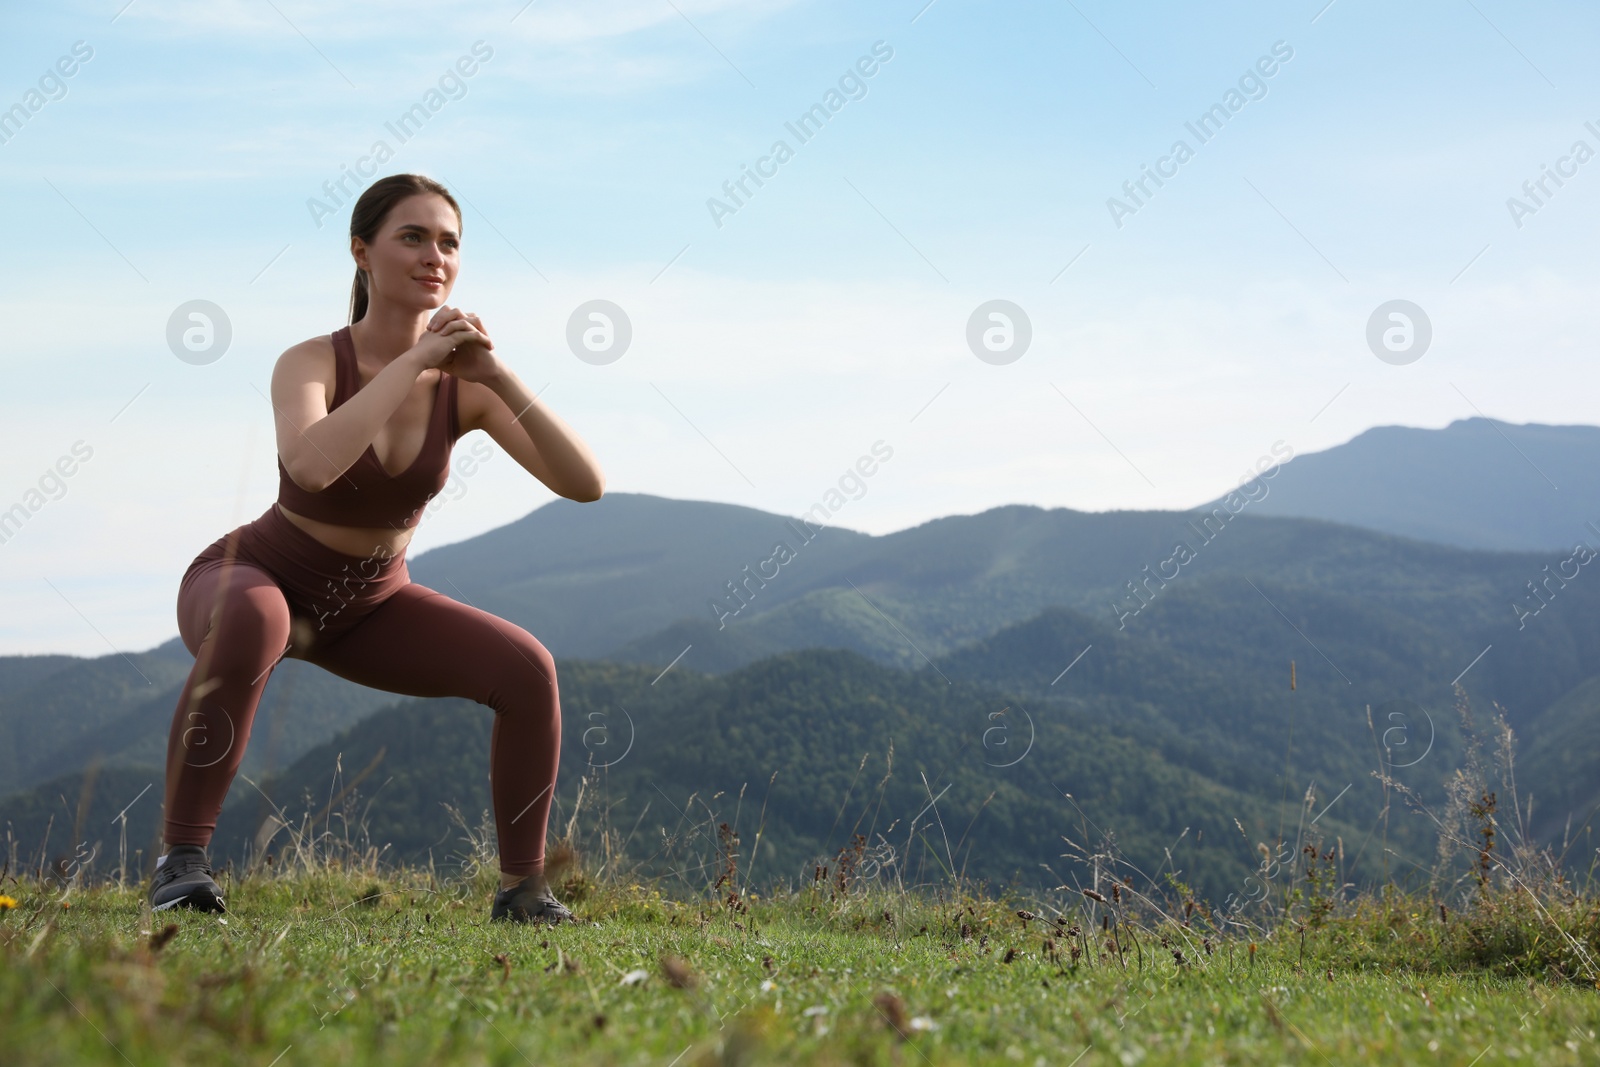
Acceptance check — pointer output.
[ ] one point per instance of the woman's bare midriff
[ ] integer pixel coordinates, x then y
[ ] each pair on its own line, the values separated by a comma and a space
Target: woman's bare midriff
353, 540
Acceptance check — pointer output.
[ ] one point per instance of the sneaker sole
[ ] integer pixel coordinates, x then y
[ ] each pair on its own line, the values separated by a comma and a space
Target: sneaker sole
540, 918
201, 901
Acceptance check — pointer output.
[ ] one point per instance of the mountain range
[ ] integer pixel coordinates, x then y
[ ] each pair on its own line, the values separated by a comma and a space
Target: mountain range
1140, 661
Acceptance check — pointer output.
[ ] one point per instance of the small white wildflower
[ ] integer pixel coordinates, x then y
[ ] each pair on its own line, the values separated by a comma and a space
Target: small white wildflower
768, 986
922, 1022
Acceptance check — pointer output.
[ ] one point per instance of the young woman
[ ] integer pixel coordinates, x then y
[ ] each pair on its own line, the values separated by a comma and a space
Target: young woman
321, 575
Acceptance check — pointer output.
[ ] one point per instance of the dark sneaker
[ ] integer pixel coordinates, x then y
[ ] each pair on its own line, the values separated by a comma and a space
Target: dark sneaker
528, 902
184, 880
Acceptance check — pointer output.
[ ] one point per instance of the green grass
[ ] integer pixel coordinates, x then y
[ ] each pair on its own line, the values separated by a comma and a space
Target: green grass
344, 967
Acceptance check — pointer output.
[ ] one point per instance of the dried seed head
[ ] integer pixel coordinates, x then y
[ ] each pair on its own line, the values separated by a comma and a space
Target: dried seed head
159, 939
677, 973
560, 858
893, 1010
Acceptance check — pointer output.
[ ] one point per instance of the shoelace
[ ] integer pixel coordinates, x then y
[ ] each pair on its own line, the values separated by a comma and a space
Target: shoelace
179, 865
525, 893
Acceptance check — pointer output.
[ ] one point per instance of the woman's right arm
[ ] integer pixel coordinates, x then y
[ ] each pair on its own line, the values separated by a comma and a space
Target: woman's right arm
317, 446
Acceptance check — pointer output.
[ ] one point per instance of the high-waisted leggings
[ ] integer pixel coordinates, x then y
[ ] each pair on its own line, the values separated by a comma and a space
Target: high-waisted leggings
268, 589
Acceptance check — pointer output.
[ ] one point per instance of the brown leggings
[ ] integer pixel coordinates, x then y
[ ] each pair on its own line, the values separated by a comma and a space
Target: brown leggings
269, 589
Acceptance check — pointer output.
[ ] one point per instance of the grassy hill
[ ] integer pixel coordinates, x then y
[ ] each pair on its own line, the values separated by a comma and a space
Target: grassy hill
328, 959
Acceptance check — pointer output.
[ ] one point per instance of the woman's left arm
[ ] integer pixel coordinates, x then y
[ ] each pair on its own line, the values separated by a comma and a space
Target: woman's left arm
492, 398
534, 436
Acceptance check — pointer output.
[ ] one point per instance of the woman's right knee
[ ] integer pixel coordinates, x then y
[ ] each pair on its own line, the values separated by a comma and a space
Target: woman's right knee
243, 614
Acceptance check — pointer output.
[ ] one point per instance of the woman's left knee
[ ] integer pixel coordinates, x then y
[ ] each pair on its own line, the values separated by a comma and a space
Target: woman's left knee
534, 658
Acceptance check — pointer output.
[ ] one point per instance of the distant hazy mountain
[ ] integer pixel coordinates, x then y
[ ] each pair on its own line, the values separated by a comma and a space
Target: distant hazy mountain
1478, 483
603, 580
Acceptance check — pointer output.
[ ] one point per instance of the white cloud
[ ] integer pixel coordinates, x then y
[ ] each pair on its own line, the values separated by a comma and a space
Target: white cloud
371, 22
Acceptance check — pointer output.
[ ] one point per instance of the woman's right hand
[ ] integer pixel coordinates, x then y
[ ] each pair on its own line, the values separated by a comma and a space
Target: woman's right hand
435, 346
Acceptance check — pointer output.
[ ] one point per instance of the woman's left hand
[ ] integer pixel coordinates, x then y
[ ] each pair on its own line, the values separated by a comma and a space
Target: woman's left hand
472, 361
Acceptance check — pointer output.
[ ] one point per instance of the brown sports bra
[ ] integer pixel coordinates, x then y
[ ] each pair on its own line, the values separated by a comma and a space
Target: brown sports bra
365, 494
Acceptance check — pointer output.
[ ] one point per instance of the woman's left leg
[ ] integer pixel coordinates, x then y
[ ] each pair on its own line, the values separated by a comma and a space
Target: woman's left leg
419, 642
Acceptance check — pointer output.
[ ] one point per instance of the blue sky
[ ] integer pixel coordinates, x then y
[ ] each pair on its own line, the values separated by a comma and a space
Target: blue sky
830, 310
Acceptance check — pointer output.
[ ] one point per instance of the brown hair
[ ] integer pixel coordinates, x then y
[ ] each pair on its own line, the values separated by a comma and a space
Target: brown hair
372, 207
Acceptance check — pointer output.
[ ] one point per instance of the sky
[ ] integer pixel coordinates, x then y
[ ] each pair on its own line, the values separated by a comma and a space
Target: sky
1154, 342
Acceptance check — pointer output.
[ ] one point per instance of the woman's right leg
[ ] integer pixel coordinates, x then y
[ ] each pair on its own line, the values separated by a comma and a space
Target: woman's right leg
235, 620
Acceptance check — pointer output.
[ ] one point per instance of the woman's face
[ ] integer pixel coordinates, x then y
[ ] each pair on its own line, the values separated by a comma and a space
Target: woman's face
413, 258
